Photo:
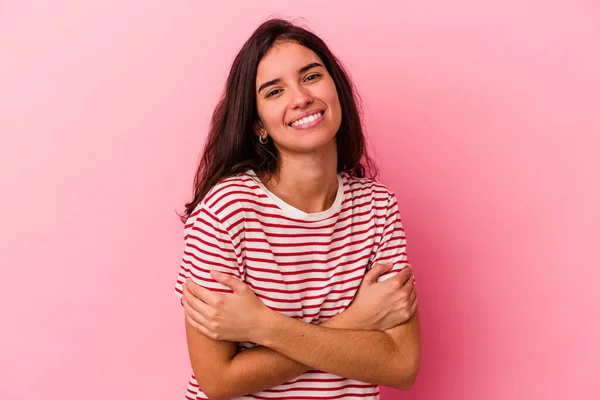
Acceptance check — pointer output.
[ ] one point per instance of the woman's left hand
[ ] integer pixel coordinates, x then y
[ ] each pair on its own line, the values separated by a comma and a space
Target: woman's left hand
235, 317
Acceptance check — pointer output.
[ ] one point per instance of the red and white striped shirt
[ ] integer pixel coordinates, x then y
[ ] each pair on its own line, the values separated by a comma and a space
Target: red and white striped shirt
306, 266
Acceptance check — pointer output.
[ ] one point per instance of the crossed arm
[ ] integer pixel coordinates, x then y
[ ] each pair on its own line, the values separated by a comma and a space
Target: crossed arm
288, 347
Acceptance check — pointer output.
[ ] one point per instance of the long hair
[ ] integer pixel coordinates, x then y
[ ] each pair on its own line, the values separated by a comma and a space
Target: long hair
232, 146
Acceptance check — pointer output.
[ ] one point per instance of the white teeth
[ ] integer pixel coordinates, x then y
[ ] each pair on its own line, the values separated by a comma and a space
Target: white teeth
308, 119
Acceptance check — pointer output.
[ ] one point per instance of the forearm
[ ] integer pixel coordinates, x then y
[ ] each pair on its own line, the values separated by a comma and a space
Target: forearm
367, 356
257, 369
261, 368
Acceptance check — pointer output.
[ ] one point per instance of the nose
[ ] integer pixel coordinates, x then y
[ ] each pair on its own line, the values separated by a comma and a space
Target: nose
300, 97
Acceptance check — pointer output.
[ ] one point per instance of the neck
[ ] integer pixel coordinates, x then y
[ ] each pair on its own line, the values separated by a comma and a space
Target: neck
307, 182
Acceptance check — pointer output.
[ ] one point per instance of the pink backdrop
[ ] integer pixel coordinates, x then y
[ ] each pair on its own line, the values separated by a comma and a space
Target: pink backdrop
486, 120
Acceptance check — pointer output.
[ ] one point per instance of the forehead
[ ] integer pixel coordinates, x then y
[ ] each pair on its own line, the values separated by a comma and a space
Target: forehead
284, 58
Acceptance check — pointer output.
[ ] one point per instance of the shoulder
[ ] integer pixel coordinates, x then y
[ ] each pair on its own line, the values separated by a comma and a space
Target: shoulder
227, 198
230, 189
369, 188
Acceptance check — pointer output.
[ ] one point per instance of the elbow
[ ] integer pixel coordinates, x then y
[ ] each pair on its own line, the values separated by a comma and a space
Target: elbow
214, 388
213, 397
214, 392
406, 376
403, 382
407, 382
219, 388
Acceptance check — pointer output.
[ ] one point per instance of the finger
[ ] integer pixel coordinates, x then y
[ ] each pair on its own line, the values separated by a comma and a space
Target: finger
194, 303
399, 283
404, 275
413, 296
198, 327
376, 271
408, 285
195, 315
229, 280
200, 292
413, 308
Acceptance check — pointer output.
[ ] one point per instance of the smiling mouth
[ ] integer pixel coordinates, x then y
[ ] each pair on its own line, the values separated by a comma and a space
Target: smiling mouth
307, 120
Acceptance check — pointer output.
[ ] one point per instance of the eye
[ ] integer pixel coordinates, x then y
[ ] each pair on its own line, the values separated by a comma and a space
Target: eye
273, 92
312, 77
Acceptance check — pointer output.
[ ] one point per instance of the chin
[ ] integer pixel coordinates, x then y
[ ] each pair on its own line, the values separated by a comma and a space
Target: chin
315, 143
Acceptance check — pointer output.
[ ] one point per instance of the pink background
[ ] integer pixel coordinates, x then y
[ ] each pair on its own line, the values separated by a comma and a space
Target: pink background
486, 120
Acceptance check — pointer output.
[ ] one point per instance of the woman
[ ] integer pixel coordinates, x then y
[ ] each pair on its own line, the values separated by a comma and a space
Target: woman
285, 232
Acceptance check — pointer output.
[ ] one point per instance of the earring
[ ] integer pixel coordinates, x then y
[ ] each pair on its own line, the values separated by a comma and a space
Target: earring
263, 139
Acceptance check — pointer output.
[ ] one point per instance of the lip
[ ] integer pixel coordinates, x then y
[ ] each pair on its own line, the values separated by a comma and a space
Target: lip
310, 125
306, 114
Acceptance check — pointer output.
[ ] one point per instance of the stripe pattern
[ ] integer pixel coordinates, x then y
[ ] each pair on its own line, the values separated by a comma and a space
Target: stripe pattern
305, 266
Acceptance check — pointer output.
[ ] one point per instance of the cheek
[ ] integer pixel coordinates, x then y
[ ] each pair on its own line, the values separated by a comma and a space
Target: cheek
332, 97
270, 115
336, 107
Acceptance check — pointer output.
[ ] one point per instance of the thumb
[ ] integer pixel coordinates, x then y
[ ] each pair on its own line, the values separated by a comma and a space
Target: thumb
376, 271
228, 280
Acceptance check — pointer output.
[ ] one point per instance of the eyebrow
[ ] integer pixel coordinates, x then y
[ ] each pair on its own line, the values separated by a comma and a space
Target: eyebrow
300, 71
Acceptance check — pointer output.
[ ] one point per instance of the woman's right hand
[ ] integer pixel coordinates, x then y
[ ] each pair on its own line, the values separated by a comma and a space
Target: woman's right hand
383, 305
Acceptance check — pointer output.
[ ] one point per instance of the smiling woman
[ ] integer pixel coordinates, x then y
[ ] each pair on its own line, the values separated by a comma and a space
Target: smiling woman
295, 279
299, 109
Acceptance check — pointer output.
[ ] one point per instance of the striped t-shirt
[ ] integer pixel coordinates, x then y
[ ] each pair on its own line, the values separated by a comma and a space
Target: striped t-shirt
306, 266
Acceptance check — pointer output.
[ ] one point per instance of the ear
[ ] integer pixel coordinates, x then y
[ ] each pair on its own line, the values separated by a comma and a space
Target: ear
258, 128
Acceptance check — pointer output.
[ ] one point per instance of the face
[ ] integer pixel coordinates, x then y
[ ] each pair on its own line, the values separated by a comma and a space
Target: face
297, 101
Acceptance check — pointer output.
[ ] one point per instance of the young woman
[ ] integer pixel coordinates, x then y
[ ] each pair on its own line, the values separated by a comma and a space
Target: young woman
294, 277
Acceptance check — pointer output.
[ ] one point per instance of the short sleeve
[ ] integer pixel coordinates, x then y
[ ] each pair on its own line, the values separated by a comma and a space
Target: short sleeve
392, 248
207, 246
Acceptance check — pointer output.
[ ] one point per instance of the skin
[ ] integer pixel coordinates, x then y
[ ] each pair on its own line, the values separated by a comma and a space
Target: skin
215, 322
308, 158
383, 315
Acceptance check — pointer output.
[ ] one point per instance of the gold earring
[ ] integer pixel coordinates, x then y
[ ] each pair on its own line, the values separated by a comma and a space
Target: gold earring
263, 139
